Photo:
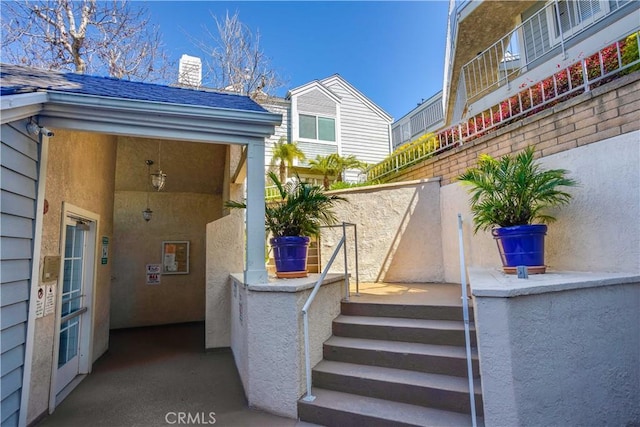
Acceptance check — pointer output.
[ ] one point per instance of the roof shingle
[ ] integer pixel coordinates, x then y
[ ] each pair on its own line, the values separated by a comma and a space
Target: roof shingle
15, 79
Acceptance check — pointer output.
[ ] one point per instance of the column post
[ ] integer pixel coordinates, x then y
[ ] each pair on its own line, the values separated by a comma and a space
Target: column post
255, 271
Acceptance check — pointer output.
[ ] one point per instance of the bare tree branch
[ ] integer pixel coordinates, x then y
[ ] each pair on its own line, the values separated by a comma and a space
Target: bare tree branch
101, 37
235, 60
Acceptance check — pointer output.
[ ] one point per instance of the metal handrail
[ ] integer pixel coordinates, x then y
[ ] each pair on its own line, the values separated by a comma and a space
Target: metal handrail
344, 225
305, 309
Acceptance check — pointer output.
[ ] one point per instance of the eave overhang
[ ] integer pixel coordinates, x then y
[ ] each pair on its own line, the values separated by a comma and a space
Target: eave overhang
121, 116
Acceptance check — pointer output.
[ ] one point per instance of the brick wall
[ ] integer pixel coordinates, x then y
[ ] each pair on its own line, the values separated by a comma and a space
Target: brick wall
604, 112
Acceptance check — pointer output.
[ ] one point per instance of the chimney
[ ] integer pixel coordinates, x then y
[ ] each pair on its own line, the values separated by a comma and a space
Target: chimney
190, 71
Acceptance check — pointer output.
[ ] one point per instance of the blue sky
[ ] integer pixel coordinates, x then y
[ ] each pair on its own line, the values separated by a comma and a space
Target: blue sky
393, 52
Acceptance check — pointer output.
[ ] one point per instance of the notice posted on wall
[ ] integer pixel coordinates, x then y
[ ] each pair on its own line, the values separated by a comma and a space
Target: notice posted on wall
153, 274
50, 300
40, 302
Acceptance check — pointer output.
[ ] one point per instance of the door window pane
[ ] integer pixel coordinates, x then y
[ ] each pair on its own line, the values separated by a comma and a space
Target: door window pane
68, 341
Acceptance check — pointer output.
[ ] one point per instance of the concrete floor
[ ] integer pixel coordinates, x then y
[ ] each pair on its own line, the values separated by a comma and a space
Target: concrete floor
149, 375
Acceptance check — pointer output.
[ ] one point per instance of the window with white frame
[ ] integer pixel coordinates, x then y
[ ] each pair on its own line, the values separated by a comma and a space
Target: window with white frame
571, 16
315, 127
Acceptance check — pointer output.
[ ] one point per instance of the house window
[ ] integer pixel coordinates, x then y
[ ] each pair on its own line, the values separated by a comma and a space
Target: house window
571, 16
320, 128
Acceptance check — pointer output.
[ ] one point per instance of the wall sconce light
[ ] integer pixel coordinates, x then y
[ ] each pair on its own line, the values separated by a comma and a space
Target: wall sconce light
147, 214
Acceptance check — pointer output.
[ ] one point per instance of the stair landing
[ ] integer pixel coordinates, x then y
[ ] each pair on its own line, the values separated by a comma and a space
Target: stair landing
448, 294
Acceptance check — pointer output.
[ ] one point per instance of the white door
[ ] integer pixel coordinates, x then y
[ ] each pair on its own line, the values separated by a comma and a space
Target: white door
77, 276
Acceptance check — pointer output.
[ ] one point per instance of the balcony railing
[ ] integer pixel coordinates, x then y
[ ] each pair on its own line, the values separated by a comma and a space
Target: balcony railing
599, 67
547, 29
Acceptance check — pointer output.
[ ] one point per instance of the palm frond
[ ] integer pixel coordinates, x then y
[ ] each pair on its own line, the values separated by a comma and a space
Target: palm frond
514, 190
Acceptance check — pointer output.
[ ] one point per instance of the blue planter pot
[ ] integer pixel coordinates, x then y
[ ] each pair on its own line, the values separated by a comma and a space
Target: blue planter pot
290, 255
521, 245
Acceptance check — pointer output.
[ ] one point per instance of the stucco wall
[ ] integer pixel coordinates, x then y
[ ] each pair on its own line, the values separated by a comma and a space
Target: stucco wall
558, 357
225, 238
192, 198
80, 171
597, 231
268, 341
398, 232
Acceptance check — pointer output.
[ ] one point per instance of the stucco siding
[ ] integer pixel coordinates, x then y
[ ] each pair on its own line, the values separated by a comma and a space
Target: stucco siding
81, 172
19, 156
190, 200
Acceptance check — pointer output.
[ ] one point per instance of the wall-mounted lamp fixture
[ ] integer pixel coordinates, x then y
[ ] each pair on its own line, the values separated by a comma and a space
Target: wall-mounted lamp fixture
147, 214
34, 129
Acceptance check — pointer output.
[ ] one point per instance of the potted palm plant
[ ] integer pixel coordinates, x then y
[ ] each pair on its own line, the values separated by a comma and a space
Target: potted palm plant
511, 196
291, 220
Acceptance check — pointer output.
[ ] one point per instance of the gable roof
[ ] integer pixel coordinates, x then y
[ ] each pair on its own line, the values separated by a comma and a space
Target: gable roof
356, 93
323, 86
314, 84
15, 79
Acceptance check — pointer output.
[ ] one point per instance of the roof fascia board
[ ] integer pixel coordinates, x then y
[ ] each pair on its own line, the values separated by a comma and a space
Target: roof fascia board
162, 121
314, 85
106, 104
145, 131
20, 106
355, 92
139, 118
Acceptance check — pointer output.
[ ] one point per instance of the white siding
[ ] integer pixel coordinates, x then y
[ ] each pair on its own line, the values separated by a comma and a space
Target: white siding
18, 177
277, 106
313, 149
363, 132
317, 103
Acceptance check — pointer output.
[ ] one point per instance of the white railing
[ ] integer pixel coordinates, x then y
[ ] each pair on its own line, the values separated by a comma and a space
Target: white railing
271, 192
597, 67
544, 31
305, 309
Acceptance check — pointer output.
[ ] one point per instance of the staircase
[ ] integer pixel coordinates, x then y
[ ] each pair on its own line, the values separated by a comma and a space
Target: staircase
394, 365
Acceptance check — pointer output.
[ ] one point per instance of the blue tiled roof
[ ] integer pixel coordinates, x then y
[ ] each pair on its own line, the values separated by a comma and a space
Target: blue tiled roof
16, 79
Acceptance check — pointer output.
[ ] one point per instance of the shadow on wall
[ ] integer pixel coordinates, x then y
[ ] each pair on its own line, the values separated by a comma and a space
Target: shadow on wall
398, 232
415, 254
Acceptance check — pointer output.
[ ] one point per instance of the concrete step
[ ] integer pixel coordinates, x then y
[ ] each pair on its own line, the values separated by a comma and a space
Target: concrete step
434, 312
442, 392
436, 359
437, 332
332, 408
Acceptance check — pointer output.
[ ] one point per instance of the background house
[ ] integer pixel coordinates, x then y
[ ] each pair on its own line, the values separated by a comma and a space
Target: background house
331, 116
426, 118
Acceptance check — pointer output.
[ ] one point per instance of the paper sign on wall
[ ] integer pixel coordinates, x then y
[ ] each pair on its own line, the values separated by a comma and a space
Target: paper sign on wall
40, 302
105, 251
50, 300
153, 274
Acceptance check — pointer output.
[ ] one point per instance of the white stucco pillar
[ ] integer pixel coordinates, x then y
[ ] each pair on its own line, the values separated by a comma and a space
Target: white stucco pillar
255, 269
